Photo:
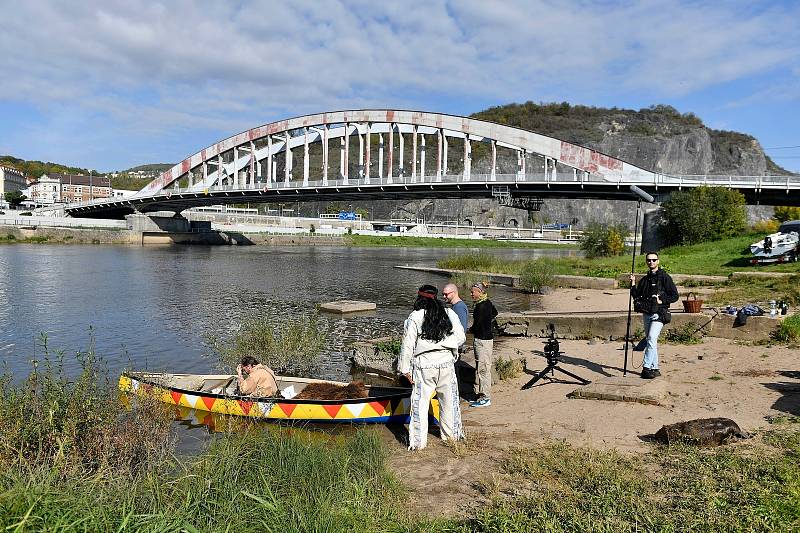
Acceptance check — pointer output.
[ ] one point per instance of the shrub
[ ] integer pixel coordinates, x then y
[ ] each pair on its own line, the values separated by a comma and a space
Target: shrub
789, 330
703, 214
604, 240
766, 226
784, 213
537, 274
689, 333
508, 368
287, 344
389, 347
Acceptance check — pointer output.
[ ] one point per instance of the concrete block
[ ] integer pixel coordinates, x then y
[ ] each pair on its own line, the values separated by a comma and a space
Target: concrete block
758, 328
347, 306
623, 389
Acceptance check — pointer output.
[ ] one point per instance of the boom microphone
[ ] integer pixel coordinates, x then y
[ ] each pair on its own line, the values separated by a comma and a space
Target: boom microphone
641, 194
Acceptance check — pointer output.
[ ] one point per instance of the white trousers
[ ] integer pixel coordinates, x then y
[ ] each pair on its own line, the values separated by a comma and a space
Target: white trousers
443, 382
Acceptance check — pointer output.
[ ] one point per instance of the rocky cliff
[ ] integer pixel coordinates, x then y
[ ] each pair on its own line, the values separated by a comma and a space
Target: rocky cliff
658, 138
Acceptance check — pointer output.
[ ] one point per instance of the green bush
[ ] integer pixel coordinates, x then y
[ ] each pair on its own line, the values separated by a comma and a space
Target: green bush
604, 240
537, 274
784, 213
389, 347
703, 214
789, 330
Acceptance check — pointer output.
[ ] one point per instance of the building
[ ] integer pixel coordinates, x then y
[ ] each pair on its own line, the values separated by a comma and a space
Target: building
83, 188
11, 180
46, 191
70, 188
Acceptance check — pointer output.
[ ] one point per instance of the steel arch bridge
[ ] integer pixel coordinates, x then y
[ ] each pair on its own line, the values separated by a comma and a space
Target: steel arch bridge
394, 154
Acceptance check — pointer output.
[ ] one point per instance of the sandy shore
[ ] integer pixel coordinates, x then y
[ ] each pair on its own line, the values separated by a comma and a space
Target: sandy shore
717, 378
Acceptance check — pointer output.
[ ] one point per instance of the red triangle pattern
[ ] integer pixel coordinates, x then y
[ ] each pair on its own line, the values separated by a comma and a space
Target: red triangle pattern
176, 397
287, 408
208, 401
379, 407
246, 406
332, 410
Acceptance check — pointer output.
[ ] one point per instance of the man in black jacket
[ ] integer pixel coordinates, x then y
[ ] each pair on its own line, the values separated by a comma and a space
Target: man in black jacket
483, 316
651, 297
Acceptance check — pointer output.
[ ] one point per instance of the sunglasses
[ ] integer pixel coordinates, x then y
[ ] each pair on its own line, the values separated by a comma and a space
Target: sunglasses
651, 260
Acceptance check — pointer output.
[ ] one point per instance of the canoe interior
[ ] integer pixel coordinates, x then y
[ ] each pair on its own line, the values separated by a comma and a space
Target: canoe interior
225, 384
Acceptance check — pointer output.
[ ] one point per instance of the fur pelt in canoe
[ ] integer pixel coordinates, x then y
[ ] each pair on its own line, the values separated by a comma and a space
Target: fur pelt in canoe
331, 391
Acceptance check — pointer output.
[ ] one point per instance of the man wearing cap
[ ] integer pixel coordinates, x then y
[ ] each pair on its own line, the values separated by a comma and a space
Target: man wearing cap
483, 316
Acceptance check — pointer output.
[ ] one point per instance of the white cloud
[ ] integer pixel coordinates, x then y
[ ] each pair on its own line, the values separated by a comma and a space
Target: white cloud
155, 68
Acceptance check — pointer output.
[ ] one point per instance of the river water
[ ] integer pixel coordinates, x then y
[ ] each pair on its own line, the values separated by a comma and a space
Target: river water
153, 307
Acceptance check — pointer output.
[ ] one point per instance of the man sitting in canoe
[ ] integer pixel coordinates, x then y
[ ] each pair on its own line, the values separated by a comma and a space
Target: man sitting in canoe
260, 379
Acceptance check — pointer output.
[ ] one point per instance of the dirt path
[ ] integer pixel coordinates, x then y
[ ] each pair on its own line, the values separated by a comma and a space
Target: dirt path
717, 378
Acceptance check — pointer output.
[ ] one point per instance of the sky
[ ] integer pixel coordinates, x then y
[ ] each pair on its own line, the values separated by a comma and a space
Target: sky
110, 84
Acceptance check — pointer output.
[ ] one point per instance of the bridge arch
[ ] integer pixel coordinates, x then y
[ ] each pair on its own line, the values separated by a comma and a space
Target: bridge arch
422, 139
395, 154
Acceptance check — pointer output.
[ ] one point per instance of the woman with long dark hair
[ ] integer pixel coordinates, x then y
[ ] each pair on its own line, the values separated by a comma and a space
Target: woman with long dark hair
431, 337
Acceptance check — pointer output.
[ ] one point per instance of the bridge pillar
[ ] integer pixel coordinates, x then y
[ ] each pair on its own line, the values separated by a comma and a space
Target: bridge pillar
191, 178
368, 155
401, 170
414, 154
380, 157
390, 160
422, 158
270, 173
439, 154
444, 154
467, 157
205, 173
494, 161
235, 167
252, 181
341, 158
346, 173
219, 170
305, 157
360, 154
287, 170
325, 154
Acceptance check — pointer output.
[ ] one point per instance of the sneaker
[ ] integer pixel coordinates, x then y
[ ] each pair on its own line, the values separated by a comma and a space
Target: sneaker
481, 402
655, 372
649, 373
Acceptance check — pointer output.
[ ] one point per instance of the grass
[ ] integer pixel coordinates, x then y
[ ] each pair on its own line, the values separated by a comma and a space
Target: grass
789, 330
742, 291
689, 333
711, 258
508, 368
11, 239
746, 487
434, 242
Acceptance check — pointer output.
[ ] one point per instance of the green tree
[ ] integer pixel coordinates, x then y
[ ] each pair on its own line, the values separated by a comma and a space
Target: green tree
784, 213
703, 214
15, 198
604, 240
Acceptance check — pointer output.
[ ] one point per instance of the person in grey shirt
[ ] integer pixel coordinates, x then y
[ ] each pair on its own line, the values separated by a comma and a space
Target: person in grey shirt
450, 293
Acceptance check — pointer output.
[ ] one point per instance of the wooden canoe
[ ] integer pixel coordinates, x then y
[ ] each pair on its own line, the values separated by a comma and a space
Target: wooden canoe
215, 393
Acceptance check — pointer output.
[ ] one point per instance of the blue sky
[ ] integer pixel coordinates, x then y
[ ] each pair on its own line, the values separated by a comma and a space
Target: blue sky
113, 84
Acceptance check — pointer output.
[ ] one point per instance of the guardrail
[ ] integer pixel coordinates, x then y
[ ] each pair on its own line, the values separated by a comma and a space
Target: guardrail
579, 179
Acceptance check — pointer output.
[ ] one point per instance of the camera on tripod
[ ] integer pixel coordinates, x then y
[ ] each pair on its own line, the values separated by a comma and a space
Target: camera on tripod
552, 350
551, 346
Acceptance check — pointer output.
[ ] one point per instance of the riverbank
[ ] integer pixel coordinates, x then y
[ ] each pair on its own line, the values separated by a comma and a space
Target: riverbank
52, 235
721, 257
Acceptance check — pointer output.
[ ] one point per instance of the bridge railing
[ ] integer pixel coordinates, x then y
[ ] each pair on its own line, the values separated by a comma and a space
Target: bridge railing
578, 179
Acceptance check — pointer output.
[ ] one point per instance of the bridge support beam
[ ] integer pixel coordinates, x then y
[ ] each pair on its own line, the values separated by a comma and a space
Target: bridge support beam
380, 157
325, 154
422, 158
346, 166
390, 160
305, 157
287, 168
414, 154
270, 173
368, 157
467, 158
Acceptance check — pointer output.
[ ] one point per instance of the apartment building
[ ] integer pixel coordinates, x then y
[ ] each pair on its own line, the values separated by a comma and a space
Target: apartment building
70, 188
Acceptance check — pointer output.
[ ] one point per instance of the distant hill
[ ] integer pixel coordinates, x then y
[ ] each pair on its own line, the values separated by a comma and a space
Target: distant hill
155, 167
37, 168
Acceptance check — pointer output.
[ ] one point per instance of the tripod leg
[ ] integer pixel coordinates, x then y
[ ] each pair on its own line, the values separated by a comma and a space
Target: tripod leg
570, 374
537, 377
